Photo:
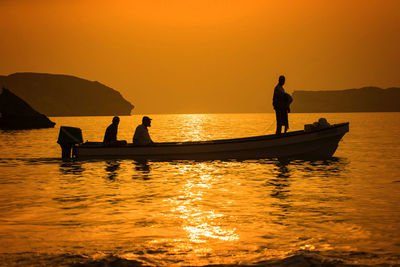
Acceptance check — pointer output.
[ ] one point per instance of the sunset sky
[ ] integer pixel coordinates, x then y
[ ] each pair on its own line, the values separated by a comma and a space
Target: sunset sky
192, 56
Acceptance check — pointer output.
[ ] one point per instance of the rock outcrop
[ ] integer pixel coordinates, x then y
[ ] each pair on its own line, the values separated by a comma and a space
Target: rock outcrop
17, 114
367, 99
64, 95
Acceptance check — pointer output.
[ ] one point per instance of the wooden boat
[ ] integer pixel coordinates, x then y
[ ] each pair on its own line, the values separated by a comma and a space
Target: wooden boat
319, 143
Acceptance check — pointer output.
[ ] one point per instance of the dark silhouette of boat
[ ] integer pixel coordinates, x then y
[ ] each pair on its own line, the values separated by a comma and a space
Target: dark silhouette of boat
316, 143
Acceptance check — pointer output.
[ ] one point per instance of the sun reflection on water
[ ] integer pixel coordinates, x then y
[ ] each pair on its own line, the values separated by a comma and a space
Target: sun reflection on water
200, 222
195, 125
188, 213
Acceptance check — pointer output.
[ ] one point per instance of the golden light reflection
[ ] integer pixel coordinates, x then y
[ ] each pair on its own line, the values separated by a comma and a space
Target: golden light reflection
200, 222
194, 124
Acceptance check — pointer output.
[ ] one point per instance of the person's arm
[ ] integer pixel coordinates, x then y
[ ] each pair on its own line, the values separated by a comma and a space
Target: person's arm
151, 141
106, 135
147, 137
288, 101
135, 136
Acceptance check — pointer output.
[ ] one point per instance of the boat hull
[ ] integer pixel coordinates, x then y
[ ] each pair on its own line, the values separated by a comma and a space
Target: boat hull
315, 144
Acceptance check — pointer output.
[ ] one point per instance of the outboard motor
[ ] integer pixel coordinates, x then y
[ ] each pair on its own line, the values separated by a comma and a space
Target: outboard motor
67, 138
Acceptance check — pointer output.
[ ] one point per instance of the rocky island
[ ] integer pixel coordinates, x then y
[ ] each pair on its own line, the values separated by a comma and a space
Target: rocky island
366, 99
64, 95
16, 114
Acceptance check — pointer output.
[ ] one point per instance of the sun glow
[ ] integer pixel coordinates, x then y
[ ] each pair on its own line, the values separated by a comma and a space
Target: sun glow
205, 56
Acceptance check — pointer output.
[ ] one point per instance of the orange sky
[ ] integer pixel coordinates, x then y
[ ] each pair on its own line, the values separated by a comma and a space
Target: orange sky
192, 56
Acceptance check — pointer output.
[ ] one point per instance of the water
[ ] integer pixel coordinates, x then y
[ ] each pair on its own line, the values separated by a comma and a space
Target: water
339, 211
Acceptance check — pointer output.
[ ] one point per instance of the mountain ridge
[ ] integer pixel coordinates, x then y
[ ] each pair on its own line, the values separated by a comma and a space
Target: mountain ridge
365, 99
15, 113
66, 95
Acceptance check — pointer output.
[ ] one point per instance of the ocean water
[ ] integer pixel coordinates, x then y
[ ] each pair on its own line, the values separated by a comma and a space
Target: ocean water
342, 211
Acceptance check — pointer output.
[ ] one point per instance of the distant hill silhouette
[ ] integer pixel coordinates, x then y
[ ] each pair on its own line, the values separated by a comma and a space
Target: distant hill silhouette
366, 99
17, 114
64, 95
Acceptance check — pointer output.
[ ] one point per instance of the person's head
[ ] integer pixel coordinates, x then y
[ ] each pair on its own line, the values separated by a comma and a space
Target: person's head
281, 80
146, 121
115, 120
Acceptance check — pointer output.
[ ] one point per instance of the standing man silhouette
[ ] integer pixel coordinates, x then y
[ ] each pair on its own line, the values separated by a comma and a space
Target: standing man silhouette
281, 102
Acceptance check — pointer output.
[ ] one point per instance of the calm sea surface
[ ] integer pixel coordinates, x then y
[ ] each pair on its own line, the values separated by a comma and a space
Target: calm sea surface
344, 210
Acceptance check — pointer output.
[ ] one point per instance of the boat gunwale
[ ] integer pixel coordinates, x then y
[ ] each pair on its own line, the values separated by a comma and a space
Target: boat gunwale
97, 145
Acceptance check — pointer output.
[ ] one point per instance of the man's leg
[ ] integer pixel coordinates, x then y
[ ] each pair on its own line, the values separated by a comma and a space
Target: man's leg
278, 122
278, 129
285, 120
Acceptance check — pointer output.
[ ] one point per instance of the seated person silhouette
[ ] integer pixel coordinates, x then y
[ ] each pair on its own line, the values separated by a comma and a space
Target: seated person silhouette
141, 136
110, 137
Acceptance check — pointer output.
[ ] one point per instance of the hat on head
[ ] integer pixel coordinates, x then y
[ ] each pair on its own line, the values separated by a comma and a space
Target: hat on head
145, 118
